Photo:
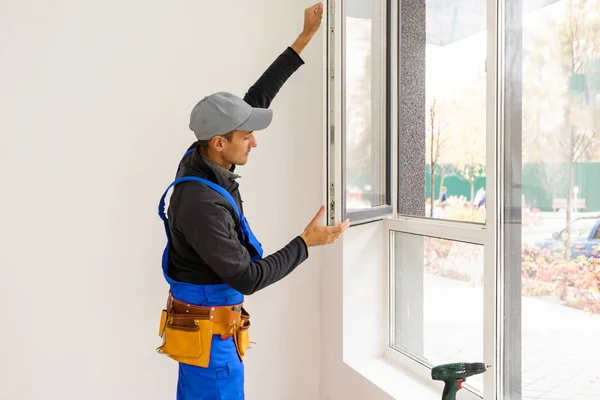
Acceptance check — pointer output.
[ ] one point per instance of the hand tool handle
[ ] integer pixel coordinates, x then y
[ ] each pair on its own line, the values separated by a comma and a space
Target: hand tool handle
450, 389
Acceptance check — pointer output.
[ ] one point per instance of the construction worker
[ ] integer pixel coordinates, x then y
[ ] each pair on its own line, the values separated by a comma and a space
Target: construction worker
212, 258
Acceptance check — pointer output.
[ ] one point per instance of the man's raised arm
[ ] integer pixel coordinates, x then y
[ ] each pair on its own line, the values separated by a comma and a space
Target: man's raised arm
262, 93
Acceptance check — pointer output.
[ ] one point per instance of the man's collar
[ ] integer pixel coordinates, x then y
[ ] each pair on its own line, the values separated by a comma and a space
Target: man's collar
222, 172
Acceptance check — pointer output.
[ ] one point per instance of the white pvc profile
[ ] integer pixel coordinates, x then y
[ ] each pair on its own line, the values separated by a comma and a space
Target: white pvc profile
437, 228
394, 102
492, 250
405, 362
333, 116
488, 235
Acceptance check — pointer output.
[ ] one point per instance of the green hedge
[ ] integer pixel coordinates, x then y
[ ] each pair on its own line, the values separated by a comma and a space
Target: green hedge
540, 181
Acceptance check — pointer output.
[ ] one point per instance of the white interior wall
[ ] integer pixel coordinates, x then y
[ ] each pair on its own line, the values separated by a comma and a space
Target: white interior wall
354, 305
94, 103
347, 295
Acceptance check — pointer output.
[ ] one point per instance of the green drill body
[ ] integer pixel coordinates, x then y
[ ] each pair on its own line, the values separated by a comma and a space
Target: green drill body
454, 375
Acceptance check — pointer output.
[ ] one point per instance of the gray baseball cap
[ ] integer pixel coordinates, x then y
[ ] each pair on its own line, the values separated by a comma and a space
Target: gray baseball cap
223, 112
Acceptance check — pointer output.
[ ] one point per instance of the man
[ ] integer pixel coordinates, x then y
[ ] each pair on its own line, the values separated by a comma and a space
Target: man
212, 258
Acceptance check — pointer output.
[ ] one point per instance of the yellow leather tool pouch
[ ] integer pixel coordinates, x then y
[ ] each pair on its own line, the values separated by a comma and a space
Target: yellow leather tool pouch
242, 334
163, 322
187, 339
187, 330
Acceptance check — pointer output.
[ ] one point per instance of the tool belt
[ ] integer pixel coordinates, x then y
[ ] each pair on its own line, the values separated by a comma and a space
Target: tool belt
187, 330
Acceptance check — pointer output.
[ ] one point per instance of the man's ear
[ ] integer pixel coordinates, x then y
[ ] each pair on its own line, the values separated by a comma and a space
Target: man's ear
217, 143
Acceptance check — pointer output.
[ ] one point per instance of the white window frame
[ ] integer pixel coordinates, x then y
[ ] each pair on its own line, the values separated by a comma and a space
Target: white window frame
490, 234
335, 115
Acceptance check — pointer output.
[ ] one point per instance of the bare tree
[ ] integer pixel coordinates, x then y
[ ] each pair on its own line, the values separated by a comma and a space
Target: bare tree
471, 172
435, 148
442, 176
578, 136
468, 127
543, 84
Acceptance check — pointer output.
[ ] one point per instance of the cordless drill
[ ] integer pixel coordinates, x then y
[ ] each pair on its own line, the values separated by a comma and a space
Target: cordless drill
454, 375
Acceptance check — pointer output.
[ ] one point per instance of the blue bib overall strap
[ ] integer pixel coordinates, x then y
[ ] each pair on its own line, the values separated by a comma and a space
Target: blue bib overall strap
249, 240
224, 377
248, 237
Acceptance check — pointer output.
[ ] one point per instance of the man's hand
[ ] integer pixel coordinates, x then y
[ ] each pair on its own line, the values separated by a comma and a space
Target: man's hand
316, 234
312, 22
312, 19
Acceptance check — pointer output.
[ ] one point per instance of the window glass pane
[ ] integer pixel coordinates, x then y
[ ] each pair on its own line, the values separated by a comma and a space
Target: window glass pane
553, 166
455, 111
364, 97
438, 300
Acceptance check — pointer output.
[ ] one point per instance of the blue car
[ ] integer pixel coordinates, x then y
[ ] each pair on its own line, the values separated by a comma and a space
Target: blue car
585, 237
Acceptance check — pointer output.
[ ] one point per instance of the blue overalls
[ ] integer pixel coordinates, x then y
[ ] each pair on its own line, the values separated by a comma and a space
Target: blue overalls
224, 377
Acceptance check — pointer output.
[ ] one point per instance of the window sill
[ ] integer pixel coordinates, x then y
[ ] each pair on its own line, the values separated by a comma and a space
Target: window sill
401, 383
365, 318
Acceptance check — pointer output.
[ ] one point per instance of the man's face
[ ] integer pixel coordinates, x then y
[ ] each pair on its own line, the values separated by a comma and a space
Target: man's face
238, 149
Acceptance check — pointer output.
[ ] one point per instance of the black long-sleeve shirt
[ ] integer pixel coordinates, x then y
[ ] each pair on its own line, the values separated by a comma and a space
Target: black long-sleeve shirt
206, 245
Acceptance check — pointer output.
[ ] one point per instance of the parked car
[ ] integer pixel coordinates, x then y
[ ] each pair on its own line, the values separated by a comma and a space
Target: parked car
585, 237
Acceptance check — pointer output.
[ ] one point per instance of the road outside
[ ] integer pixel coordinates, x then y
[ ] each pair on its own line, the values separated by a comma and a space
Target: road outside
549, 222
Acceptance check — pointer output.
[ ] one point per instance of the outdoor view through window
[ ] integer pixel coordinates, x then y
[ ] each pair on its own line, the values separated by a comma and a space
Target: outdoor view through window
560, 265
560, 169
365, 106
559, 163
455, 113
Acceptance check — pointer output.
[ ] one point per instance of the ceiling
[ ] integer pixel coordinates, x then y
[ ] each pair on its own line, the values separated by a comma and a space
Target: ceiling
447, 20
